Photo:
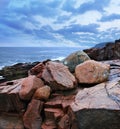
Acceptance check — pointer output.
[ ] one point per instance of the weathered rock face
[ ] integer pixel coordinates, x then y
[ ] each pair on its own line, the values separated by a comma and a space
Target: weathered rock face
99, 106
29, 86
110, 52
32, 118
9, 97
74, 59
91, 72
42, 93
16, 71
58, 76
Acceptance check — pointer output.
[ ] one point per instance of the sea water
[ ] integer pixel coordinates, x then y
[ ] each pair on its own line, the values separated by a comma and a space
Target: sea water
13, 55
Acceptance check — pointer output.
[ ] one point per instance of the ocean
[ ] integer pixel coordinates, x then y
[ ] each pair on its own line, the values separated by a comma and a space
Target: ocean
13, 55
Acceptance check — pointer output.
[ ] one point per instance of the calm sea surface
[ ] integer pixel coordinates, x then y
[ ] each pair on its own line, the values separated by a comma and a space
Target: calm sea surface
13, 55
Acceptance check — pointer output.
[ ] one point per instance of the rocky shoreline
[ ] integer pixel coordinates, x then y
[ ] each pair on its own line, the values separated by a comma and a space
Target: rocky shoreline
77, 93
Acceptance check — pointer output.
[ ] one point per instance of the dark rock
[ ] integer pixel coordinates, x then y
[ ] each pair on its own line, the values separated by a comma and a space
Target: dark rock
11, 121
110, 52
16, 71
74, 59
32, 118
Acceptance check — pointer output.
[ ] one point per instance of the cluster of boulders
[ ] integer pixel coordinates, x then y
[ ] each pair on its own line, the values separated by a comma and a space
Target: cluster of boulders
53, 96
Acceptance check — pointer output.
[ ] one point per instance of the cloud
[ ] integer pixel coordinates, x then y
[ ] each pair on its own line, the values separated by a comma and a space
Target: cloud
58, 22
113, 7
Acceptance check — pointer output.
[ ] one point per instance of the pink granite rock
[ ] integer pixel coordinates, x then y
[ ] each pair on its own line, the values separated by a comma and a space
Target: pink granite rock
29, 86
91, 72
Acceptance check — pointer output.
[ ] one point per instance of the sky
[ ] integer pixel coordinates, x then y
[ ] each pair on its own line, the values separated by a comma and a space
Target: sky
58, 23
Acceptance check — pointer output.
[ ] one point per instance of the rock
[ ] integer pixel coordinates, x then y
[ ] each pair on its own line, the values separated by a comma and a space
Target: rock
58, 76
9, 97
91, 72
37, 70
29, 86
42, 93
32, 118
110, 52
56, 109
10, 121
98, 106
74, 59
16, 71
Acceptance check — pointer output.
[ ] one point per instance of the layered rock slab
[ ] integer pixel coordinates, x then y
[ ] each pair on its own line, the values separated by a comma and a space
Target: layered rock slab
98, 107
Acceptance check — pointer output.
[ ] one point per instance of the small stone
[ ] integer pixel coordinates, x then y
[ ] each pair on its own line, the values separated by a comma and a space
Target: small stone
42, 93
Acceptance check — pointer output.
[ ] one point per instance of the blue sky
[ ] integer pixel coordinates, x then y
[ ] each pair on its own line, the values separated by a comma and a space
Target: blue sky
52, 23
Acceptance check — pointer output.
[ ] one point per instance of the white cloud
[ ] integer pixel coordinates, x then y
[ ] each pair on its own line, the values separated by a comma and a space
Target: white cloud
78, 3
108, 25
88, 17
83, 33
113, 8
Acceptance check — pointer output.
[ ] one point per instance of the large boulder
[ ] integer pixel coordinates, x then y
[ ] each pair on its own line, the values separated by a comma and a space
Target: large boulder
98, 107
91, 72
29, 86
74, 59
58, 76
32, 118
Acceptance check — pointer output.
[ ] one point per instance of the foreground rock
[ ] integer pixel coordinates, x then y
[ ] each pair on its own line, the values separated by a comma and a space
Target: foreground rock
11, 121
74, 59
110, 52
91, 72
29, 86
58, 76
98, 107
